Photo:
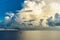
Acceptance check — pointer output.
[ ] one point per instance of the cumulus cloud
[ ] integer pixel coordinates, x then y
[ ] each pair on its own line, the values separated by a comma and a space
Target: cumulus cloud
8, 17
8, 20
30, 14
36, 12
10, 14
55, 21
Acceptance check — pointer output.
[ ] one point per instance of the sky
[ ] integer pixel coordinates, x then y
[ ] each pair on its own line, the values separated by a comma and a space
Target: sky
9, 6
29, 13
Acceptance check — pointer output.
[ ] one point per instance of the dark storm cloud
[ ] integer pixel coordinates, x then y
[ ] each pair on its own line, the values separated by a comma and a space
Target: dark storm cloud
55, 21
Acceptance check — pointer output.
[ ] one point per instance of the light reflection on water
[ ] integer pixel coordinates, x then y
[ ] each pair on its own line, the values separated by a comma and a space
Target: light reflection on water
40, 35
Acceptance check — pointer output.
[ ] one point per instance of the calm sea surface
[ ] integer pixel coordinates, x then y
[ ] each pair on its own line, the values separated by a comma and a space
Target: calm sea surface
8, 34
29, 35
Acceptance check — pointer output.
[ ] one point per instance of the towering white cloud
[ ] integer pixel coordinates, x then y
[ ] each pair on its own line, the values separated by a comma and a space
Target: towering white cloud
31, 12
36, 12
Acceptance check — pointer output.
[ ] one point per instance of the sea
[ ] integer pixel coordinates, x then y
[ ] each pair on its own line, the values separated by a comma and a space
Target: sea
8, 34
15, 34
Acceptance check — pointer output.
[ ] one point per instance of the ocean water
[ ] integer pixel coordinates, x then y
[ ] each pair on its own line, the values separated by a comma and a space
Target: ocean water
40, 35
8, 34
